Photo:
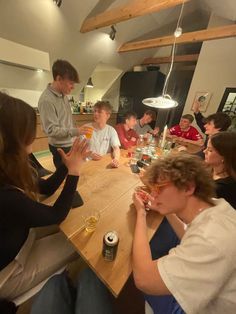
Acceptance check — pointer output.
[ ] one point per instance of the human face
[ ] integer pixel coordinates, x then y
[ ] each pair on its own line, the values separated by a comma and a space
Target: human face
131, 122
101, 116
210, 128
168, 198
65, 85
147, 119
212, 157
184, 124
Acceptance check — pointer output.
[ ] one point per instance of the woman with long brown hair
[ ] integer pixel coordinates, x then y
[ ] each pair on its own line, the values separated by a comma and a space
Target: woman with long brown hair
221, 155
25, 260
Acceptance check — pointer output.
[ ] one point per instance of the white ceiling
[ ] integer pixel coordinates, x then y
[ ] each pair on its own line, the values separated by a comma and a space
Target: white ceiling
42, 25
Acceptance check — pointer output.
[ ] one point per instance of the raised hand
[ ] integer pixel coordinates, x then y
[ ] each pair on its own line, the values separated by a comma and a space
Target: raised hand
76, 156
196, 106
138, 203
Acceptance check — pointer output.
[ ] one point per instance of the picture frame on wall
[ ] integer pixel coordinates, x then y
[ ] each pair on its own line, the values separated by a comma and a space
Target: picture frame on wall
203, 98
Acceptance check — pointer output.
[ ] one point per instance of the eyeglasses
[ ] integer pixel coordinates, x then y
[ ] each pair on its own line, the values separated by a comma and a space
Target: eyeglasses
158, 186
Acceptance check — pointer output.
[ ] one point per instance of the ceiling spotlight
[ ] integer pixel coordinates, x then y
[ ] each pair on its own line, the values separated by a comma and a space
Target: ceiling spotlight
89, 83
178, 32
57, 2
112, 34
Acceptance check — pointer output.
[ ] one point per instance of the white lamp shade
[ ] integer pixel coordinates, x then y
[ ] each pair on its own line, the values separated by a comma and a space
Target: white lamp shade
161, 102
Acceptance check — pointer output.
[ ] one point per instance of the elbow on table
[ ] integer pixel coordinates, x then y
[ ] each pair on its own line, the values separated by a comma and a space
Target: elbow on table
141, 283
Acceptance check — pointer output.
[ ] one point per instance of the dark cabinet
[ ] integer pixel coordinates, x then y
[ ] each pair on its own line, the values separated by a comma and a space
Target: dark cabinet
134, 87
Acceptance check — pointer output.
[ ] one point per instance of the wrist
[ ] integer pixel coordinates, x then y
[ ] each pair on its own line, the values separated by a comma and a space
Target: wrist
141, 213
74, 172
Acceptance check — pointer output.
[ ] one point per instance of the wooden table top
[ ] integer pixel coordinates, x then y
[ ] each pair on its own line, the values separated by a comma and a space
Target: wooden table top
109, 191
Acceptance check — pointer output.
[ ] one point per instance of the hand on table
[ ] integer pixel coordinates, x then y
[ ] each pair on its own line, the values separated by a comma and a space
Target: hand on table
96, 156
114, 163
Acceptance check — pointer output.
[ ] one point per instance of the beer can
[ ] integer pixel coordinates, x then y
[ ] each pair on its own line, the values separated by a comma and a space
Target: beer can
110, 245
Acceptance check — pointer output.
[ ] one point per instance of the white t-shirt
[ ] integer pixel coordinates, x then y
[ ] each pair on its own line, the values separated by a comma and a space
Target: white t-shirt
201, 271
103, 140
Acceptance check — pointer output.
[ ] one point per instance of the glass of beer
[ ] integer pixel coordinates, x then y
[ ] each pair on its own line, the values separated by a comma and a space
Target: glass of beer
91, 219
88, 132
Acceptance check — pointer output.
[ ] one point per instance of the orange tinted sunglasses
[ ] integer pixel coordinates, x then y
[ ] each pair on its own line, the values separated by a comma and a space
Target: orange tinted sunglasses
157, 187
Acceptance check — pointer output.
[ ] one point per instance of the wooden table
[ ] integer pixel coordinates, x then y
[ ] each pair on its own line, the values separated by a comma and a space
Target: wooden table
109, 191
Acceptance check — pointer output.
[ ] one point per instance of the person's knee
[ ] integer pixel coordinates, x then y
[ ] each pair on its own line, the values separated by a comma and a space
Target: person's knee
56, 283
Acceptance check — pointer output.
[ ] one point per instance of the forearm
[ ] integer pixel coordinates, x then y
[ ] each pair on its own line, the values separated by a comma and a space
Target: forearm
178, 226
199, 119
141, 257
50, 185
116, 153
60, 132
198, 142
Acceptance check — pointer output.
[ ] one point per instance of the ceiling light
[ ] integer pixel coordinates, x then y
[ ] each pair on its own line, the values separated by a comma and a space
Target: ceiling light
39, 70
112, 34
89, 83
165, 101
161, 102
178, 32
57, 2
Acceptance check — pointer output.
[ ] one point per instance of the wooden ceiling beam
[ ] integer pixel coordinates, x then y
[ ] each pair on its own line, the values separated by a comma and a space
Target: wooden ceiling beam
185, 38
131, 10
162, 60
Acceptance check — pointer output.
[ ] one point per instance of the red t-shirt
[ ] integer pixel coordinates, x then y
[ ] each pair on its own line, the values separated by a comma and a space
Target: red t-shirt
125, 136
191, 134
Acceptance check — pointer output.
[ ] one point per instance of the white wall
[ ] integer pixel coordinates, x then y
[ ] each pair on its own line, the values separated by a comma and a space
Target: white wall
102, 81
215, 70
29, 96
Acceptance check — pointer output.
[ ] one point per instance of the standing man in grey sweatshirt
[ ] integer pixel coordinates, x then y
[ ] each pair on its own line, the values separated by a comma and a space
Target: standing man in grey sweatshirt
55, 111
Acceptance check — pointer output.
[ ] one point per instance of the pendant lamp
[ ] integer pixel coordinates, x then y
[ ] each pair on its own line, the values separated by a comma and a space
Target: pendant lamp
165, 101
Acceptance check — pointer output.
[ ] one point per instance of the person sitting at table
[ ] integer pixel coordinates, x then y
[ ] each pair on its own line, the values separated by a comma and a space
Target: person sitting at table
212, 124
182, 188
26, 260
60, 296
143, 124
220, 155
127, 136
184, 132
104, 138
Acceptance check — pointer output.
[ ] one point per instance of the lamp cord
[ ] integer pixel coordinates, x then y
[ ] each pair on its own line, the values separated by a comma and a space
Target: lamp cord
172, 54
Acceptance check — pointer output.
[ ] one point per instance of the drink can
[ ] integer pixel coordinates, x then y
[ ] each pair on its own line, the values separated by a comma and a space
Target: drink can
110, 245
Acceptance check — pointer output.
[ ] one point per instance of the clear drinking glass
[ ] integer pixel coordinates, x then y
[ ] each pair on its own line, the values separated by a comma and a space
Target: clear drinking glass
91, 218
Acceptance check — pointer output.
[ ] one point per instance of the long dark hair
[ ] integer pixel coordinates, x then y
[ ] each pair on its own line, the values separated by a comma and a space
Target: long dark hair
17, 130
225, 144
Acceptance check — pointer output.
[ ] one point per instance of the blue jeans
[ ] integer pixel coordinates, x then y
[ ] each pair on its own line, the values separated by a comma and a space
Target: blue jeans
58, 296
163, 240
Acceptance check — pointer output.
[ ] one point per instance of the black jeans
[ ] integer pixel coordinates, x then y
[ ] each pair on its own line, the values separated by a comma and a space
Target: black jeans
56, 156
